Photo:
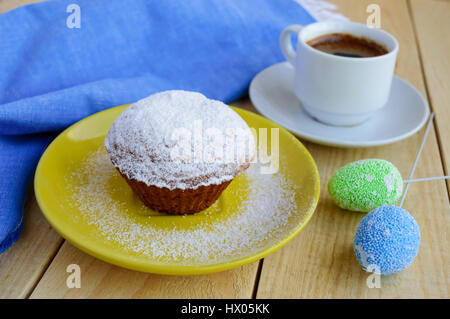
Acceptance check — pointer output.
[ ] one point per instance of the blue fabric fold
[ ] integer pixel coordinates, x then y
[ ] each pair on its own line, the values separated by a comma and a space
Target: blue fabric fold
19, 155
52, 76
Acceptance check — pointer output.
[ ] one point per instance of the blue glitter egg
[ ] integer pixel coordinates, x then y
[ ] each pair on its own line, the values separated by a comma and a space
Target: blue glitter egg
387, 240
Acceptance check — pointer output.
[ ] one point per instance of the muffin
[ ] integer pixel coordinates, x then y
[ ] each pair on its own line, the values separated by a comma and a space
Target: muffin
179, 150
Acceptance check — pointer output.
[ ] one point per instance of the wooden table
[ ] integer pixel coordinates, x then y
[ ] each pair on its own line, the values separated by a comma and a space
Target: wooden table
319, 262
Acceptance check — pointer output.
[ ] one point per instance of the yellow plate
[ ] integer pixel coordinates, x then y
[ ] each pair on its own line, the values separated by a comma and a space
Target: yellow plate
91, 206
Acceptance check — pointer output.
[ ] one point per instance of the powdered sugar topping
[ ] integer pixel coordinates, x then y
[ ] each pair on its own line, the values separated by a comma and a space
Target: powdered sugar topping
166, 140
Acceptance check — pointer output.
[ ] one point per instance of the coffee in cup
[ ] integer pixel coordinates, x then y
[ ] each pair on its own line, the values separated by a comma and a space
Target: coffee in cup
343, 70
347, 45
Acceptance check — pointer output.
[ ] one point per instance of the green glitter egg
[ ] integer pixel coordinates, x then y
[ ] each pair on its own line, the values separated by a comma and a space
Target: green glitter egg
365, 185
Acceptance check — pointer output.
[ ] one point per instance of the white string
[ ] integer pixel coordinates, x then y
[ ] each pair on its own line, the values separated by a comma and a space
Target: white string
430, 121
426, 179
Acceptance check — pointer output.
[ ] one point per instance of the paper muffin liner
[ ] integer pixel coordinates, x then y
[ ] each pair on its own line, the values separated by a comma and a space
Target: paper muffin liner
177, 201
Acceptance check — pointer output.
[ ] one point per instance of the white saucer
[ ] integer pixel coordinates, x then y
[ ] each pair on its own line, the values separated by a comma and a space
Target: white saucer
405, 113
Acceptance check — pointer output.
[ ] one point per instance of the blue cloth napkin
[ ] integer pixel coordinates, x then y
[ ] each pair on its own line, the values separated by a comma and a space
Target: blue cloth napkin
52, 76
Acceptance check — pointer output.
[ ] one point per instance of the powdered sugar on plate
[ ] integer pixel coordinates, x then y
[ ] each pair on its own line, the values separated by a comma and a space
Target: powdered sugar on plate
266, 202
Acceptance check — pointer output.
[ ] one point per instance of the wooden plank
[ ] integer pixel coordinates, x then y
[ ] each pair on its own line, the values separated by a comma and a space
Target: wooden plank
6, 5
432, 22
320, 262
102, 280
22, 265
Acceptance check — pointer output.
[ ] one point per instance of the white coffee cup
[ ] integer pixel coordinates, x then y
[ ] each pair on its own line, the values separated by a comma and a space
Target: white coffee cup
334, 89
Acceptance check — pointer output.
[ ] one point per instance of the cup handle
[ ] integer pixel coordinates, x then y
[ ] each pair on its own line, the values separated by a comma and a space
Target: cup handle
286, 44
